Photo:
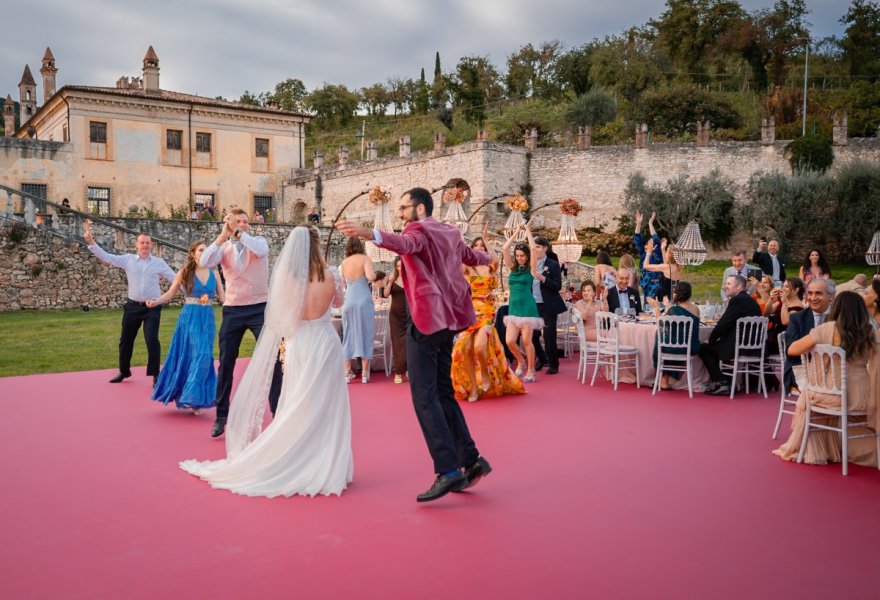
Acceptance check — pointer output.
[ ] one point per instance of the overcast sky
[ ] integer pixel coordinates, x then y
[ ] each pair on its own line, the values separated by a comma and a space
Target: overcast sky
223, 47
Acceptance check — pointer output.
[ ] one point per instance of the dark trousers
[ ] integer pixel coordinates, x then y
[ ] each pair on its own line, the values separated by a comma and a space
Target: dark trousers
133, 315
237, 320
500, 313
710, 358
429, 360
547, 354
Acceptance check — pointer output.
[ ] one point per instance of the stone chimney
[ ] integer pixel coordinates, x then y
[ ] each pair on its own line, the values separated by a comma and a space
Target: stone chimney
839, 131
151, 72
318, 159
439, 141
585, 137
704, 134
372, 150
48, 72
27, 96
342, 155
272, 104
531, 140
9, 117
768, 131
481, 135
404, 146
642, 136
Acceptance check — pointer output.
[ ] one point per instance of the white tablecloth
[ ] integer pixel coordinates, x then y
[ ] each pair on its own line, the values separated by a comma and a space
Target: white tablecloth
643, 335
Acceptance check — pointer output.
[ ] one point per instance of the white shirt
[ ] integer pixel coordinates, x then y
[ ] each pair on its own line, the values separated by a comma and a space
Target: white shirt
213, 254
143, 274
774, 259
536, 285
623, 296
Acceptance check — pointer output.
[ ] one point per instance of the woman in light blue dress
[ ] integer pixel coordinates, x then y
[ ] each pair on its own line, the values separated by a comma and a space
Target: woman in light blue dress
358, 320
188, 377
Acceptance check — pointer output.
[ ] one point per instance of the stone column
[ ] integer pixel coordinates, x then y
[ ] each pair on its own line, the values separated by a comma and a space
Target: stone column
318, 159
30, 212
585, 137
342, 154
768, 131
642, 136
6, 204
531, 140
404, 146
481, 135
439, 141
703, 134
839, 131
372, 150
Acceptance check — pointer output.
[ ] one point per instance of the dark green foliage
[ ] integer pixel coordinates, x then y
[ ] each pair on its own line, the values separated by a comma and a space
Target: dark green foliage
469, 96
334, 105
861, 43
675, 111
856, 215
810, 153
445, 115
596, 107
709, 201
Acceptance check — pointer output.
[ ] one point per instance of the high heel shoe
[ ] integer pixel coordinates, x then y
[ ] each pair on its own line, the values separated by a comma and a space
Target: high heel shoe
348, 376
365, 378
529, 378
474, 396
485, 385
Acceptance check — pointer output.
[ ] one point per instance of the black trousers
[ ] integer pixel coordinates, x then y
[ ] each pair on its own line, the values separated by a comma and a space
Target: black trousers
236, 321
429, 360
709, 356
547, 354
133, 315
500, 313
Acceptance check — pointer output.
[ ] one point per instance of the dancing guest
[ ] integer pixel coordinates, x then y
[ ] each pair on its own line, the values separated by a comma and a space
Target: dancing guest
306, 449
649, 255
440, 304
847, 327
604, 275
815, 265
588, 306
245, 261
143, 271
188, 377
479, 343
522, 314
546, 289
398, 319
669, 269
358, 312
681, 307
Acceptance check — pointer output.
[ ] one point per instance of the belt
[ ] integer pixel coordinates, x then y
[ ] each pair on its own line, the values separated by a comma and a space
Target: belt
130, 301
191, 300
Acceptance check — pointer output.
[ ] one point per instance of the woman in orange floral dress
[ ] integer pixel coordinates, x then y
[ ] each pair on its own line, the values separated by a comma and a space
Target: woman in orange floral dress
480, 344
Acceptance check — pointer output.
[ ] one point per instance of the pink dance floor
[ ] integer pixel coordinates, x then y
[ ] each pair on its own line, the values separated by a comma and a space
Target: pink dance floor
595, 494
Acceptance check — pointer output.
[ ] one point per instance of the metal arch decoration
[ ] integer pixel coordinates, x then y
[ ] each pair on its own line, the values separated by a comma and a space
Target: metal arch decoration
335, 219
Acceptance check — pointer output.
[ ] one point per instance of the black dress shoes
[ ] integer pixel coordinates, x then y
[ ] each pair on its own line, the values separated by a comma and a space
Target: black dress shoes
719, 390
443, 485
119, 377
552, 370
219, 427
476, 471
155, 380
539, 365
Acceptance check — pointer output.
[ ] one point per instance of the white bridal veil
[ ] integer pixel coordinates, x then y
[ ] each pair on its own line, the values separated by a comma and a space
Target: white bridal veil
287, 292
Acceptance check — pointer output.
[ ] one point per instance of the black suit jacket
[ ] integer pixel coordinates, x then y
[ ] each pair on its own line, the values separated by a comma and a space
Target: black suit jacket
799, 325
724, 333
553, 303
614, 299
763, 260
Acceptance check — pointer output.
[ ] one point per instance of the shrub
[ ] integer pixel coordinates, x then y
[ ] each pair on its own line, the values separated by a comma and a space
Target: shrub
856, 214
810, 153
596, 107
675, 111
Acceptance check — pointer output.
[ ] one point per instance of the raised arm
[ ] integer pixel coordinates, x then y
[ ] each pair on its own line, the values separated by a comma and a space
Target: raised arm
116, 260
509, 261
256, 244
533, 257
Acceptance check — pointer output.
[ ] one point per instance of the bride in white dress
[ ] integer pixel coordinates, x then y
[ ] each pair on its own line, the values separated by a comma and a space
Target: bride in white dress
306, 449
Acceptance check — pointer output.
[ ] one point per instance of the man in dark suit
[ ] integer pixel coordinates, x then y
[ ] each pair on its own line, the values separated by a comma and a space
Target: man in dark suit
722, 340
545, 289
624, 296
820, 293
768, 260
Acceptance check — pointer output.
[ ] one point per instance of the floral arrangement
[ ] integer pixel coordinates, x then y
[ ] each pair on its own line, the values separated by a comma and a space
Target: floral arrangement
517, 203
570, 207
203, 299
454, 194
379, 196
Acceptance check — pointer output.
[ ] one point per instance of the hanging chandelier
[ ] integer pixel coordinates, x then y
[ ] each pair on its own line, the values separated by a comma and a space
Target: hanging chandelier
517, 205
872, 256
380, 197
690, 249
568, 248
455, 215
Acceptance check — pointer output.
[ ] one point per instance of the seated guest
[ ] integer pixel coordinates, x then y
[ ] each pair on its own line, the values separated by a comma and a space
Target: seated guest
847, 327
784, 302
872, 301
762, 290
722, 340
681, 307
857, 284
820, 293
738, 267
588, 306
622, 295
815, 265
604, 276
767, 258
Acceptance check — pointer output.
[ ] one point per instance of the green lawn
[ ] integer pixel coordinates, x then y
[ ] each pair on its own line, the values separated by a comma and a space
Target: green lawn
60, 341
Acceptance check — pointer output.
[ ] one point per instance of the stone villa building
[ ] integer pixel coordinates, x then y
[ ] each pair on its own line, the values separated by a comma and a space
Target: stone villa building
112, 150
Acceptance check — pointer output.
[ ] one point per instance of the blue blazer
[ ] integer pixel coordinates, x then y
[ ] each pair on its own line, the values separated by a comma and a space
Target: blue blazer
799, 325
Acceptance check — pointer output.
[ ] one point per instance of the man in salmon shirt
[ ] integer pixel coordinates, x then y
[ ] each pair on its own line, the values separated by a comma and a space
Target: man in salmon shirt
440, 303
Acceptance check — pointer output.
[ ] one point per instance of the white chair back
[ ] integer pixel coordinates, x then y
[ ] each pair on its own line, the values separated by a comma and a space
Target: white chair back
751, 333
381, 347
826, 372
674, 333
607, 329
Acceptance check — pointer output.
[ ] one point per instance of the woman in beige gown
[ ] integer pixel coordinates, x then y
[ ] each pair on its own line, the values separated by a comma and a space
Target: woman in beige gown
848, 327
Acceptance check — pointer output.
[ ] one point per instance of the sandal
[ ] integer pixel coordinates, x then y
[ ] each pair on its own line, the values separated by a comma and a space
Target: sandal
474, 396
529, 378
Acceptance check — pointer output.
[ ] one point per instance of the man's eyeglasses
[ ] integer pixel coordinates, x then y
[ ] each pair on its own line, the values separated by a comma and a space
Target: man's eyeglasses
405, 206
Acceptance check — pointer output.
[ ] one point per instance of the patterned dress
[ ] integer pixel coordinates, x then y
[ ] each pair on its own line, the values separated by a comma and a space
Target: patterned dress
501, 378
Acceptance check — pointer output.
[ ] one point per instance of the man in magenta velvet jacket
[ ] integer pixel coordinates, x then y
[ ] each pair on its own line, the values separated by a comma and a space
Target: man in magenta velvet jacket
440, 302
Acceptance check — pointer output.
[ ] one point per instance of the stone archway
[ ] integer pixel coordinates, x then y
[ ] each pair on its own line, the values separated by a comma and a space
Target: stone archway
299, 211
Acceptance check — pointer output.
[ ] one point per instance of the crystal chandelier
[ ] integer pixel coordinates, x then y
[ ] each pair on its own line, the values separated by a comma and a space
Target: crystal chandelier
567, 247
455, 215
382, 222
872, 256
690, 249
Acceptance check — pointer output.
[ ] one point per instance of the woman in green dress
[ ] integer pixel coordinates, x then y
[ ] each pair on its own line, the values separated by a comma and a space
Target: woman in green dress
522, 317
681, 307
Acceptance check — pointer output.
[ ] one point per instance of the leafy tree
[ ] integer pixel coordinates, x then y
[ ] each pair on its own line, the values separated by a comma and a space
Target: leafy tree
596, 107
627, 64
573, 69
810, 153
862, 103
290, 94
545, 116
531, 72
421, 96
333, 105
446, 116
772, 36
675, 111
856, 215
440, 86
248, 98
375, 99
399, 93
469, 95
709, 201
861, 42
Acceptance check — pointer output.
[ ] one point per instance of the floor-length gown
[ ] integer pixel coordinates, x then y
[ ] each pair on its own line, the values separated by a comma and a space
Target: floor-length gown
306, 449
358, 320
863, 394
188, 376
502, 379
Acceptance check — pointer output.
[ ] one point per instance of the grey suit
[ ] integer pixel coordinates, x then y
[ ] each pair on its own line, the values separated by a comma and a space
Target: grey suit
732, 271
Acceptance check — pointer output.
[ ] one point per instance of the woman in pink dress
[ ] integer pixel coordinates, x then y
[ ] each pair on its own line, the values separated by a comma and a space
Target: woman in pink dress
588, 306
